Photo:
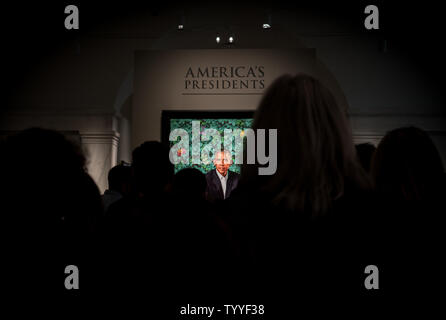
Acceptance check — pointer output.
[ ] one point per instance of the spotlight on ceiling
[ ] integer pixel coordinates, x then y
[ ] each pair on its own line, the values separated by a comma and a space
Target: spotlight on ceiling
267, 22
231, 39
181, 21
217, 39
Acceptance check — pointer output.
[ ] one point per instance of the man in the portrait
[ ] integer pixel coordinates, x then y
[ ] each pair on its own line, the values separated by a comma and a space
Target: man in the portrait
221, 181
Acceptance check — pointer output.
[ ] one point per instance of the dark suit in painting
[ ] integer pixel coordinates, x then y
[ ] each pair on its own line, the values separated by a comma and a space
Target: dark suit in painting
214, 190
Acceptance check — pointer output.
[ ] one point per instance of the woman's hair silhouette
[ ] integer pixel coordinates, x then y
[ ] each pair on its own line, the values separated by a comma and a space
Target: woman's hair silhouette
315, 150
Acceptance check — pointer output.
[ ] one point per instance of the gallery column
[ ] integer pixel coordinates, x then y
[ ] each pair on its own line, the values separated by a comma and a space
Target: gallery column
101, 149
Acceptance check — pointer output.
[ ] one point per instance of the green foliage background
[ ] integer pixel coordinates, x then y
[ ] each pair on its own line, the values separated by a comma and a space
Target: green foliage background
220, 125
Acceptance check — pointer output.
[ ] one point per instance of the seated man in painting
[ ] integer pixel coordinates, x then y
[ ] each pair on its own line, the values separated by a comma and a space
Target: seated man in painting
221, 181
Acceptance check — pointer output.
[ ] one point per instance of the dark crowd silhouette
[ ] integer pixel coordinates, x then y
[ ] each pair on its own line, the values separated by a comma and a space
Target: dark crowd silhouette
331, 209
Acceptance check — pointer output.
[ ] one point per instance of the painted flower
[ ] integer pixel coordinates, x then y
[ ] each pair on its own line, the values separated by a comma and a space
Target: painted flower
181, 152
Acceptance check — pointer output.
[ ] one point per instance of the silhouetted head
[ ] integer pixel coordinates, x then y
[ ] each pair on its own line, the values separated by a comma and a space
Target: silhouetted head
46, 149
407, 165
315, 150
365, 153
48, 190
189, 183
119, 178
222, 161
152, 169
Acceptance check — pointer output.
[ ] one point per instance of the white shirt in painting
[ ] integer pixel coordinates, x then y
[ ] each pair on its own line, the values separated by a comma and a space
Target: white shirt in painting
223, 181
